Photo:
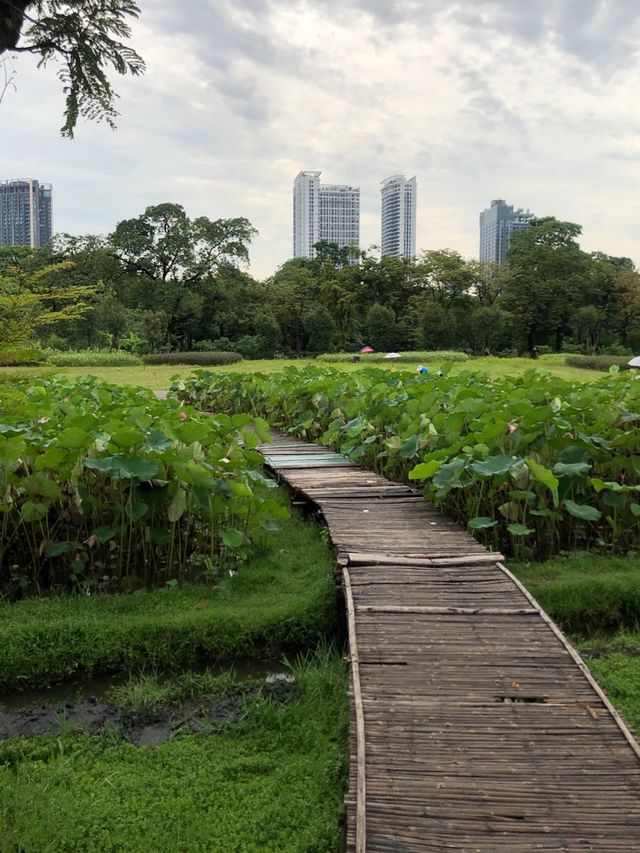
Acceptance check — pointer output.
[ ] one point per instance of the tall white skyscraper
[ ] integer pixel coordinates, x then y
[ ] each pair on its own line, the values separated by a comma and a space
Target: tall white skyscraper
399, 216
330, 213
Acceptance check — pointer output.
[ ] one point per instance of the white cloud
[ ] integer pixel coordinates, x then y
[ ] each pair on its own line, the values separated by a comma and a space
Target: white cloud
533, 102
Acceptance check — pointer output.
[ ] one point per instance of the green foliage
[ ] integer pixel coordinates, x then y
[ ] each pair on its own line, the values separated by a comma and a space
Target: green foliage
283, 600
418, 356
204, 358
273, 781
104, 486
17, 355
33, 301
93, 358
380, 325
597, 362
551, 464
85, 38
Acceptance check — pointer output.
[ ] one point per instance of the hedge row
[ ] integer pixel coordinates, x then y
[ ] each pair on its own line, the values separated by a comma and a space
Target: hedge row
93, 358
597, 362
198, 358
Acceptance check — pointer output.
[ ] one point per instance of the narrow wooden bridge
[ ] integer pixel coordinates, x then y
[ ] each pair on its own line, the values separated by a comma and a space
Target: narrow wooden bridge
475, 726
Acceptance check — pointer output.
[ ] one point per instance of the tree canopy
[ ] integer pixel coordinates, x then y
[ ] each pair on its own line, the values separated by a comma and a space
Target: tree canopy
87, 38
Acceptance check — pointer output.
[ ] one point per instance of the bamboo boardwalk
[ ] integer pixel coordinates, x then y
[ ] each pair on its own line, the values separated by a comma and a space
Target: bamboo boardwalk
475, 726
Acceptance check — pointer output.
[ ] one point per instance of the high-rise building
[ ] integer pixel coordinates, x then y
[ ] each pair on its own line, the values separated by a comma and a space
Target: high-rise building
330, 213
26, 213
497, 225
399, 216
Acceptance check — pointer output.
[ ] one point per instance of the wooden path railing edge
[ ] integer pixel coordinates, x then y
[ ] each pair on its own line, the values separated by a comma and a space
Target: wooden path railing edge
577, 659
361, 785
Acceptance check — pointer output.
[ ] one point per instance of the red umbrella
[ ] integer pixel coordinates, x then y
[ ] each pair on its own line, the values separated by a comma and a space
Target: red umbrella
367, 349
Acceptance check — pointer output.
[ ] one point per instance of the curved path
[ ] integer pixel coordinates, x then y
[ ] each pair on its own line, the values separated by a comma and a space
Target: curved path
475, 725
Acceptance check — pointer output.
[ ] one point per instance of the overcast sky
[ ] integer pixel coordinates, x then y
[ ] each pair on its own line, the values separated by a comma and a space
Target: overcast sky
534, 101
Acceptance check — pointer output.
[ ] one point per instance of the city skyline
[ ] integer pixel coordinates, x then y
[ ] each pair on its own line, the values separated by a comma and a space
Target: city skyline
262, 90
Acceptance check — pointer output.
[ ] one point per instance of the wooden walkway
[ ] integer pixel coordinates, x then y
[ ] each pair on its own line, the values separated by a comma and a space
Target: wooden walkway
475, 726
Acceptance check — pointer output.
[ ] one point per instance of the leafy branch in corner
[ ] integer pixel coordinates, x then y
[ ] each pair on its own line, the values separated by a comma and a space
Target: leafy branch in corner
87, 38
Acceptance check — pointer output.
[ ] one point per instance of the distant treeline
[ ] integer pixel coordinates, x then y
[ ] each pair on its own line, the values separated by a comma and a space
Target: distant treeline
163, 282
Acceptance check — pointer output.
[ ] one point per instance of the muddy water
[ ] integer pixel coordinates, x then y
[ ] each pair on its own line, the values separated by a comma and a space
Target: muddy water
84, 705
98, 686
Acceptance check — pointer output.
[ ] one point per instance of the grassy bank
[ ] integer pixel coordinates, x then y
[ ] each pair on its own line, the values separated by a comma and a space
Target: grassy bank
586, 594
281, 600
271, 781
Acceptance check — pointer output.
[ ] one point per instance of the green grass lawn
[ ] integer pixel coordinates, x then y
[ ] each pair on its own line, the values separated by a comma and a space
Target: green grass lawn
159, 377
272, 781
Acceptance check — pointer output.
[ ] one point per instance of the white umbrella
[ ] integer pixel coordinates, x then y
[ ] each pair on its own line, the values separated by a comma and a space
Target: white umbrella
392, 355
635, 362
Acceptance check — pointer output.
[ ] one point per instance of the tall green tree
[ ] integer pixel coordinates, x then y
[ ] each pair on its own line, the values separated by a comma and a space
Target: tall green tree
548, 272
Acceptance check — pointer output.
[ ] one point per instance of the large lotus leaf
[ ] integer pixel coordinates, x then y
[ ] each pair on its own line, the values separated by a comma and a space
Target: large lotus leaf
232, 538
449, 475
73, 438
481, 522
178, 505
543, 475
410, 447
495, 465
519, 530
52, 459
571, 469
126, 436
424, 470
583, 511
33, 511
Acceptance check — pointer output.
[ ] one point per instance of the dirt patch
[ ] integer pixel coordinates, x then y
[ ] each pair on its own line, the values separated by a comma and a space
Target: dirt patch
141, 728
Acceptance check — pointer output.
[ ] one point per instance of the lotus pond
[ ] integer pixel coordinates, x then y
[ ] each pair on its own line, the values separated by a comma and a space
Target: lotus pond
533, 464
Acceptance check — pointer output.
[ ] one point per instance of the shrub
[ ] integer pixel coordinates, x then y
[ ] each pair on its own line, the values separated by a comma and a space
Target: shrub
198, 358
379, 357
597, 362
93, 358
17, 355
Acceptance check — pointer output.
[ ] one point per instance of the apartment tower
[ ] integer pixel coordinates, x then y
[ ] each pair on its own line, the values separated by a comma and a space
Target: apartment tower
330, 212
399, 216
26, 213
498, 223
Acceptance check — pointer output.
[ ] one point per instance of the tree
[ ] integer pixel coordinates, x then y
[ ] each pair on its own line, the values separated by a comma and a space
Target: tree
320, 329
381, 328
164, 244
548, 269
85, 36
28, 304
293, 292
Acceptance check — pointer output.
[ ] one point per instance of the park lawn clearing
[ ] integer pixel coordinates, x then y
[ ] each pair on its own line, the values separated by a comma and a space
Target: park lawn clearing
158, 377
